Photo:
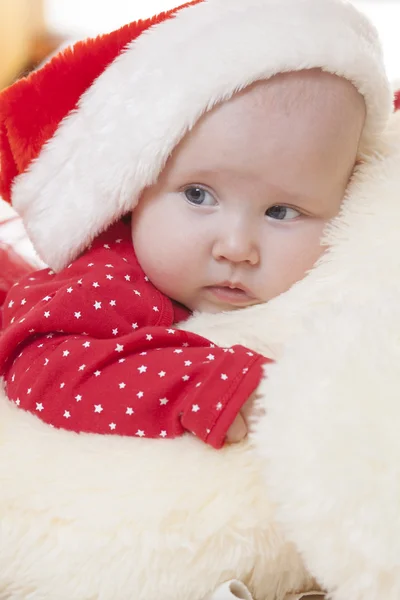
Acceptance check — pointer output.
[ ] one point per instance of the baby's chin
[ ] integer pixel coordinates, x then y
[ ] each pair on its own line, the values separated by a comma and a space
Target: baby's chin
211, 308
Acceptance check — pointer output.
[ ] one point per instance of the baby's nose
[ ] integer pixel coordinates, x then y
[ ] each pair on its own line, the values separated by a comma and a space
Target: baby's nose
237, 246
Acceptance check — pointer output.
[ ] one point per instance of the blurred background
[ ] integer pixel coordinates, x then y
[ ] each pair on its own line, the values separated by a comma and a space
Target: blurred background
30, 30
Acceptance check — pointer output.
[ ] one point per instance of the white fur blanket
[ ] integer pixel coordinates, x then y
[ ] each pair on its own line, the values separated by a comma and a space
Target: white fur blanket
86, 517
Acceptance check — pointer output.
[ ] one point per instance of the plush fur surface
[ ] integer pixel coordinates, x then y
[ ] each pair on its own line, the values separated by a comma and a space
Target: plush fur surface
91, 517
140, 101
331, 438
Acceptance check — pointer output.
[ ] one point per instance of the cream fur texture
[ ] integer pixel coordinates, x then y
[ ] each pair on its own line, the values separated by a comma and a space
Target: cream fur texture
331, 440
134, 114
86, 517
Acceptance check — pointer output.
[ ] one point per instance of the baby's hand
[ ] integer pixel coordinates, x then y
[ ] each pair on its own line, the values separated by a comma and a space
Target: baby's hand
239, 428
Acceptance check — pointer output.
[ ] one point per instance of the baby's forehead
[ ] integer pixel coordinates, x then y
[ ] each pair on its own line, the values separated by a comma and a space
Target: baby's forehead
306, 87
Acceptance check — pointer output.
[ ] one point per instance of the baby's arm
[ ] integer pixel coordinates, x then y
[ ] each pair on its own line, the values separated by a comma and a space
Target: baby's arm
88, 356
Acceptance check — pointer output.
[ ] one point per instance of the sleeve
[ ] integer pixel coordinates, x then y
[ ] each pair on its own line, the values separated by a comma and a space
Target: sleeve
93, 349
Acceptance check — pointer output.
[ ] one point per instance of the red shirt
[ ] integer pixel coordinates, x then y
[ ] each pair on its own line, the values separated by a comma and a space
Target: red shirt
93, 349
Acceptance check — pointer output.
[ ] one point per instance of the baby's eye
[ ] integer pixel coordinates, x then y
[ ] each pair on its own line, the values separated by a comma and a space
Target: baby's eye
199, 196
282, 213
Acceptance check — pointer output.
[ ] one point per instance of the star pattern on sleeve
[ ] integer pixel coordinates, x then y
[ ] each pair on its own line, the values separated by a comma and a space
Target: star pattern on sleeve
114, 362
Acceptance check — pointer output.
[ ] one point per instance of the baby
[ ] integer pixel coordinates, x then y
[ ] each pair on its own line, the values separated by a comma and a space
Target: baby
233, 218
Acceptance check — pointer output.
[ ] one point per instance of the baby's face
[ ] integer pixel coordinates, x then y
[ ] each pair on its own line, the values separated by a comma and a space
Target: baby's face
237, 215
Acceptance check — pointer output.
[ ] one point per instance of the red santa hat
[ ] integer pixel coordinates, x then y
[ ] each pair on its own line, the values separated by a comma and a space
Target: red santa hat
81, 138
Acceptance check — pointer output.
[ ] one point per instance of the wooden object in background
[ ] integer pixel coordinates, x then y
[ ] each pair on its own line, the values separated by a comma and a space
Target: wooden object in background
22, 23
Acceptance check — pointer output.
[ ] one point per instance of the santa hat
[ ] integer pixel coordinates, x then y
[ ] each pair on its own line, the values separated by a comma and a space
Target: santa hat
81, 138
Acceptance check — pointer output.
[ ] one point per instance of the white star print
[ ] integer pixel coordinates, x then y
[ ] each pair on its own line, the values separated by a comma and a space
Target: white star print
47, 314
122, 360
142, 369
135, 325
79, 282
62, 385
11, 304
109, 277
98, 408
97, 373
82, 368
39, 406
171, 331
149, 337
163, 434
137, 293
29, 390
77, 315
18, 402
185, 345
224, 377
113, 303
198, 384
115, 331
143, 354
95, 284
211, 357
129, 411
110, 266
46, 362
156, 309
188, 363
163, 401
67, 414
13, 378
70, 290
178, 351
86, 345
22, 320
97, 305
119, 348
219, 406
140, 433
195, 408
249, 353
112, 426
23, 301
91, 265
107, 247
118, 241
122, 386
162, 374
40, 345
127, 277
186, 378
140, 394
66, 353
78, 398
46, 298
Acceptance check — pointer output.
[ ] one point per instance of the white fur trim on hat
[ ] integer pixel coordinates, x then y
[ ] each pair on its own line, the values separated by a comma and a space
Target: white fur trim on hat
127, 123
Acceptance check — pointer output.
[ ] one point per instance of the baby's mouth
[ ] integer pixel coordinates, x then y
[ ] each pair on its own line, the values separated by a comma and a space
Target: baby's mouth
232, 293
